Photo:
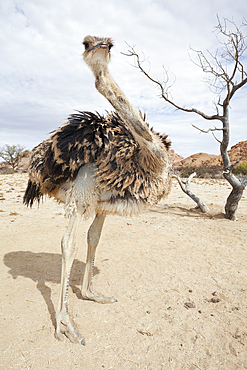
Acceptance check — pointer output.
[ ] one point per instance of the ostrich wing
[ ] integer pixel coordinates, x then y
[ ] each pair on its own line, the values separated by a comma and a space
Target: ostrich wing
58, 159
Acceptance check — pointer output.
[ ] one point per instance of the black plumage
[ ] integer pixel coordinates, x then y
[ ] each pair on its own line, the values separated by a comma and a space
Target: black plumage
92, 138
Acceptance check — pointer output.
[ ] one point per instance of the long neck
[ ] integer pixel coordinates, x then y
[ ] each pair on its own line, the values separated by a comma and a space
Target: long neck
105, 84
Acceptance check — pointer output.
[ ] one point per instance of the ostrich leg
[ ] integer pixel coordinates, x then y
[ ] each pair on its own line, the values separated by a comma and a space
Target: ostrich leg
93, 237
64, 325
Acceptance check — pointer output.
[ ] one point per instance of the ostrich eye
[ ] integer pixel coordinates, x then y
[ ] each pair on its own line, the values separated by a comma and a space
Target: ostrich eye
110, 46
86, 45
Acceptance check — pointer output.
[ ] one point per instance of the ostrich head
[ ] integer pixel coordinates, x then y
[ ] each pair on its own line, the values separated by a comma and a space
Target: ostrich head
97, 50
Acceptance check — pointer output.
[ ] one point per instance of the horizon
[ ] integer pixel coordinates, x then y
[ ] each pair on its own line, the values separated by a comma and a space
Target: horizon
183, 158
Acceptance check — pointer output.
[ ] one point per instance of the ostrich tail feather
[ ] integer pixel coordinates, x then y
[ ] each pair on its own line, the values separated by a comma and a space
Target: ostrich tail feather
32, 193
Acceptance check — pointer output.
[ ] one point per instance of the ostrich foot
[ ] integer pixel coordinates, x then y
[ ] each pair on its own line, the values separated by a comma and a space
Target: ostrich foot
99, 298
65, 327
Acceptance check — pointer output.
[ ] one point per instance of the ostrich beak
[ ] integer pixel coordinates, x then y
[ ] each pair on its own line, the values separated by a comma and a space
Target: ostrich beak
100, 45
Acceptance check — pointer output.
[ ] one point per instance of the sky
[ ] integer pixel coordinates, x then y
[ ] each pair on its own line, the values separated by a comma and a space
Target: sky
43, 78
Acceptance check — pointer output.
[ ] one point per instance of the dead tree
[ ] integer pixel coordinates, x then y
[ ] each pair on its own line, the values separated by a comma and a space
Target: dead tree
185, 186
226, 74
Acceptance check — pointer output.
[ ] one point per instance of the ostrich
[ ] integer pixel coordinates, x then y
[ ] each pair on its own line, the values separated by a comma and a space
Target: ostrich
97, 165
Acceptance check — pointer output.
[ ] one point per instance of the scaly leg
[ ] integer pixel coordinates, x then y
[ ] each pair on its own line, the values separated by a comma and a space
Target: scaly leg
93, 237
64, 325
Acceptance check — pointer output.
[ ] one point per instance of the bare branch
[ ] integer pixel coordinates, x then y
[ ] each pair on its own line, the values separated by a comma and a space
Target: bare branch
238, 86
185, 186
226, 170
208, 130
164, 89
216, 138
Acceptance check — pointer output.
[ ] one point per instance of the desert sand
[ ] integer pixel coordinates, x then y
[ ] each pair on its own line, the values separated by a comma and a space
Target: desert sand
180, 278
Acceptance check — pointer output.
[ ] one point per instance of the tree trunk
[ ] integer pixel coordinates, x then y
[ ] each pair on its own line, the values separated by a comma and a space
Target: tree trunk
238, 186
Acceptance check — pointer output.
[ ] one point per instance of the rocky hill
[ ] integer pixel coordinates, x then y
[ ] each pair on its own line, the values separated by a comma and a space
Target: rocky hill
174, 157
237, 152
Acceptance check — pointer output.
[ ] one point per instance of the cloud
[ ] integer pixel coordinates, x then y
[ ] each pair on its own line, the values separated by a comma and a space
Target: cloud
43, 77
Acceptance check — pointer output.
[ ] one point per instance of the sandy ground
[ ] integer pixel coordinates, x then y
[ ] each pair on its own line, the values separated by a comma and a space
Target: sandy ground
180, 278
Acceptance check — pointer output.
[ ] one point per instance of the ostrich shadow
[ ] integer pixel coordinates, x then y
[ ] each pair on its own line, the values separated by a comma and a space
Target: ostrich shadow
42, 268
